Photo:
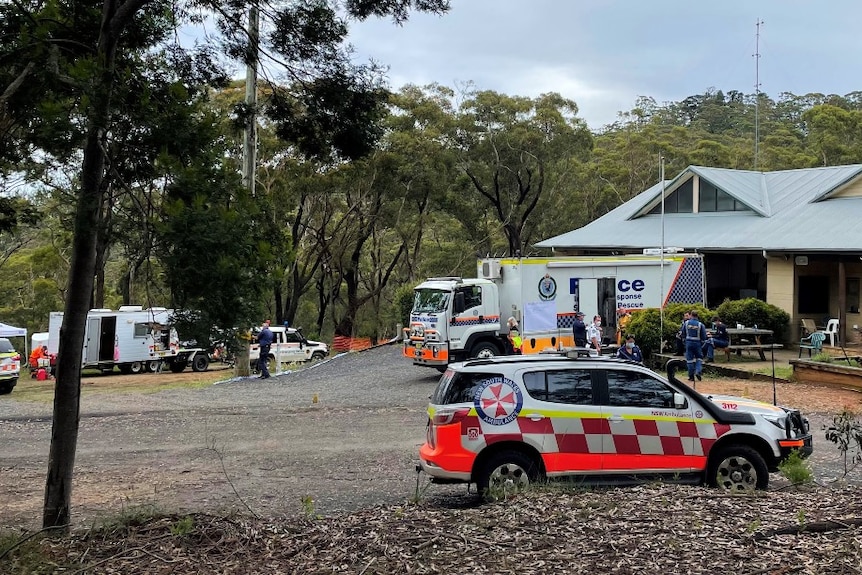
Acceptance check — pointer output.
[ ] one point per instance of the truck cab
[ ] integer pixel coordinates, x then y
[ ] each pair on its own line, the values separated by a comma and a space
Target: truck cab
453, 319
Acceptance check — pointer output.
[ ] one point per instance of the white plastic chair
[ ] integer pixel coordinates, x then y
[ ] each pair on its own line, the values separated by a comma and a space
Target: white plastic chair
832, 331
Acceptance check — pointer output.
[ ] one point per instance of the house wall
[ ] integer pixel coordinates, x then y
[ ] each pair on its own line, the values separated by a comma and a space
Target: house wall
781, 286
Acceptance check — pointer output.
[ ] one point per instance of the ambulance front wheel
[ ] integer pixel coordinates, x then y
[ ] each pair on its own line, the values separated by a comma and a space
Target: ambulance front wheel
737, 469
485, 350
506, 474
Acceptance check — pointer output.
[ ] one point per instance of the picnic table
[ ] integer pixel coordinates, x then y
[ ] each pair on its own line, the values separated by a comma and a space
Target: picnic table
753, 334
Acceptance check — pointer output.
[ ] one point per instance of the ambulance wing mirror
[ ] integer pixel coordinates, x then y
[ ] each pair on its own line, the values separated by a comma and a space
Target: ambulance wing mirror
458, 305
679, 401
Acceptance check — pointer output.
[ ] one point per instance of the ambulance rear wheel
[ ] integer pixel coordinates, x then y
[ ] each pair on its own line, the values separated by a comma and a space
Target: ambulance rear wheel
737, 469
136, 367
506, 474
485, 350
154, 366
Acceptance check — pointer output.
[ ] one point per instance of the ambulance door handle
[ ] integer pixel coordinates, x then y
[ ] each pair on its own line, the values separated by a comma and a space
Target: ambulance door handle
615, 419
536, 416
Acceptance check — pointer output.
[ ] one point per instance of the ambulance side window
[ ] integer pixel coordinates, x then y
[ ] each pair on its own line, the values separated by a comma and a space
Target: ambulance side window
572, 386
634, 389
462, 387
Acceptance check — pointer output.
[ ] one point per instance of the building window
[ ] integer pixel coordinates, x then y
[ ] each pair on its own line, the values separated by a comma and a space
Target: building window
853, 295
681, 201
712, 199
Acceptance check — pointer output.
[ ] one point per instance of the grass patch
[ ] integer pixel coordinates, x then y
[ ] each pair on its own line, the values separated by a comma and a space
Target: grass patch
35, 391
781, 371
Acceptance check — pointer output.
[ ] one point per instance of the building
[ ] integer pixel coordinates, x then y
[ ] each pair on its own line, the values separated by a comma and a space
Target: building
788, 237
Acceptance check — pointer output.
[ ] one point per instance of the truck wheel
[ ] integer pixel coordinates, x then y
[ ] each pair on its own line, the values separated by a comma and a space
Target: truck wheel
154, 366
200, 362
178, 365
738, 469
484, 350
505, 474
317, 356
136, 366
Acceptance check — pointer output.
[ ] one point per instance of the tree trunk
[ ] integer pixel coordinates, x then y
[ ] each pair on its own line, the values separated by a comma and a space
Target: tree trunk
67, 388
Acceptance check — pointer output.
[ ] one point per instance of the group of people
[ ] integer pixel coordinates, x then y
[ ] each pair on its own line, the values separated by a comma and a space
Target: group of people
590, 337
695, 341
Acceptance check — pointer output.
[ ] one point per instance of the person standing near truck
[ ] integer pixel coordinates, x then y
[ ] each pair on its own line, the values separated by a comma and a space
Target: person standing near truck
264, 339
579, 330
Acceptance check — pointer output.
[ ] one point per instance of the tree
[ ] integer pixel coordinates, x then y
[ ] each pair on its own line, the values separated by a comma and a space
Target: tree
506, 145
83, 52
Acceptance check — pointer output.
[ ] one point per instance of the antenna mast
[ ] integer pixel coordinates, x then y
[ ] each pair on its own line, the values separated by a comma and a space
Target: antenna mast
757, 93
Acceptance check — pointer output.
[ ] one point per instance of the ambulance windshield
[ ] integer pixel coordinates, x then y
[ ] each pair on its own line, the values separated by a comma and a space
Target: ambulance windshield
430, 300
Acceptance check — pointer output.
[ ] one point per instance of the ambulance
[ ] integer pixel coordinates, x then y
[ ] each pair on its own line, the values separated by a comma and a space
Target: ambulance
505, 423
456, 318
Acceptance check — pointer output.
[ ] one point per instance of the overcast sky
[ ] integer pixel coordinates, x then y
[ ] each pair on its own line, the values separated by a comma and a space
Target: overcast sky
604, 54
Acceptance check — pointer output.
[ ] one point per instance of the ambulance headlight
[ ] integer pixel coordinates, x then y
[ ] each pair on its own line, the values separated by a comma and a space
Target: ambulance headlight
779, 421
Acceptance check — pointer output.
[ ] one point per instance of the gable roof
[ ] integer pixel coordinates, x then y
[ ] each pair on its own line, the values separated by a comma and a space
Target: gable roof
802, 210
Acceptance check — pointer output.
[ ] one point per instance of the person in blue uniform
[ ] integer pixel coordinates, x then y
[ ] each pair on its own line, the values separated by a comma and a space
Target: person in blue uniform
630, 351
694, 333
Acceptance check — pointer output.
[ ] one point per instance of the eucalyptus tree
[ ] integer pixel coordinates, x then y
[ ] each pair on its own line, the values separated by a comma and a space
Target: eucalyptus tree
63, 66
506, 145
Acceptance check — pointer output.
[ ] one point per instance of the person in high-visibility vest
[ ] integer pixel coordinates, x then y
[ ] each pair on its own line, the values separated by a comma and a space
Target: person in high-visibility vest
515, 338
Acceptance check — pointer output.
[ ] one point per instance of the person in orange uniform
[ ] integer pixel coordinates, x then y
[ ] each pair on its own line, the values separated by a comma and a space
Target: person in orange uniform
40, 352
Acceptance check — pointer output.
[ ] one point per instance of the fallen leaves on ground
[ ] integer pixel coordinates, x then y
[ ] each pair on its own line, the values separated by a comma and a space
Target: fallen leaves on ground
647, 529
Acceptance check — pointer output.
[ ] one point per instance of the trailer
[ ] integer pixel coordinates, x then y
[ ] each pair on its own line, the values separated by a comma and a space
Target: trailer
131, 338
456, 318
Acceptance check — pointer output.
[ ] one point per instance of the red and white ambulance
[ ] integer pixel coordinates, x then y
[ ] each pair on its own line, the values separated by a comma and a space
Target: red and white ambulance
504, 423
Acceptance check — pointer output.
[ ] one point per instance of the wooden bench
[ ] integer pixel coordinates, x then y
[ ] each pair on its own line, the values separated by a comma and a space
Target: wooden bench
760, 348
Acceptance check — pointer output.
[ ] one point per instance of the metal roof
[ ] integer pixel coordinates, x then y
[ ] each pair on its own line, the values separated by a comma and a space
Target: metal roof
793, 211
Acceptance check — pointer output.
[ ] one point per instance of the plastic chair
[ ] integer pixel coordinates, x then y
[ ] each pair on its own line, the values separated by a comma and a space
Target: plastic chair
832, 331
812, 342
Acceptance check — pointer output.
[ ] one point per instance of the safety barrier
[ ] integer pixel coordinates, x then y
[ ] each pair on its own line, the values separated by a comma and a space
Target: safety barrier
341, 343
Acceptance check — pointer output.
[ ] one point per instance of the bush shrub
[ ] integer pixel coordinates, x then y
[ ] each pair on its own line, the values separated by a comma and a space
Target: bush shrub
752, 311
645, 325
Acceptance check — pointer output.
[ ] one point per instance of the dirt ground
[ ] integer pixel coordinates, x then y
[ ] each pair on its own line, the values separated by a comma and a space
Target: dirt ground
338, 437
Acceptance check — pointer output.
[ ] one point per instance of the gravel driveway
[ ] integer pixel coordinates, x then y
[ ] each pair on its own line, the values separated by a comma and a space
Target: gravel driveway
336, 436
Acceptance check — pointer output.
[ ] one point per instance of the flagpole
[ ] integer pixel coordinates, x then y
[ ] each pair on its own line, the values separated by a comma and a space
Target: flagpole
661, 268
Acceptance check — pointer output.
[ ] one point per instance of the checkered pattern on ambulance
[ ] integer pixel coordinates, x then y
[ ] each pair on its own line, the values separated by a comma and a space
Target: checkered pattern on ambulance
593, 434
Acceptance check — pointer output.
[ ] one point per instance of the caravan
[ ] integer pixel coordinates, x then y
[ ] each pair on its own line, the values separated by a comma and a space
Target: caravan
129, 338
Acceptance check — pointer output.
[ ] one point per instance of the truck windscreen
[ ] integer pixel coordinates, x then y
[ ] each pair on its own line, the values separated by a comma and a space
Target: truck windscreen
430, 300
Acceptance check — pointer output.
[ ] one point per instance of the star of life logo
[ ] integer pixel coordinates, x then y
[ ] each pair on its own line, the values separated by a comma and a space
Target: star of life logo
498, 401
